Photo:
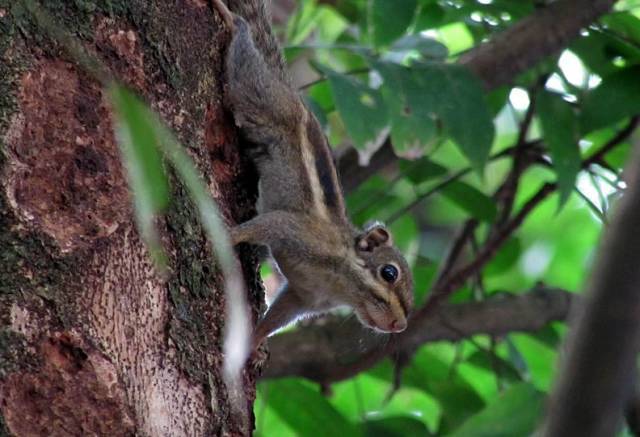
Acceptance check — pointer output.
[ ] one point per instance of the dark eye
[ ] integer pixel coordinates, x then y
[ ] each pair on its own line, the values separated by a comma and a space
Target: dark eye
389, 273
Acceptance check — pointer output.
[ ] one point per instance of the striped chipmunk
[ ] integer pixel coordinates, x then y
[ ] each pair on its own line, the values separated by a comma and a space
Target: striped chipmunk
327, 261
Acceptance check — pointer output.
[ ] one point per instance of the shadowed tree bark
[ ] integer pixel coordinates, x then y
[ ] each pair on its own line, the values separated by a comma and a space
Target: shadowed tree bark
92, 340
597, 380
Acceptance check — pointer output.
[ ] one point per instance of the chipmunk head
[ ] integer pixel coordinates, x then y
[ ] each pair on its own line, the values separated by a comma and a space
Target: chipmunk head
386, 294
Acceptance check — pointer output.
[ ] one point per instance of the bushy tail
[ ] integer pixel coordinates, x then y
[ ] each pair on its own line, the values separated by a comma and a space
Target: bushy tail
257, 14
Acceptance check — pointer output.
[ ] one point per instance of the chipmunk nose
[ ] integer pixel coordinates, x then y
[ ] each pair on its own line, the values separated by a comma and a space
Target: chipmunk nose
397, 325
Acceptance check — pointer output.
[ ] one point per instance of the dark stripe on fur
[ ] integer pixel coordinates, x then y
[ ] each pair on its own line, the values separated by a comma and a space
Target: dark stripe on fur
325, 166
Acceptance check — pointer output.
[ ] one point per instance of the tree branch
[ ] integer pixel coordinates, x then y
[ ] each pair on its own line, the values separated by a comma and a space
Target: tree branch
336, 339
323, 353
534, 38
497, 63
598, 374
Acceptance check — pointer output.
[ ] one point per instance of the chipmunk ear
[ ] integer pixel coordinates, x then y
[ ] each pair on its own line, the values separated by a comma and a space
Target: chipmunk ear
374, 236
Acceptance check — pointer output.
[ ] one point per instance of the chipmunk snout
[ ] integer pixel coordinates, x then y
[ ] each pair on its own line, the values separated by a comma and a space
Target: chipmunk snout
397, 325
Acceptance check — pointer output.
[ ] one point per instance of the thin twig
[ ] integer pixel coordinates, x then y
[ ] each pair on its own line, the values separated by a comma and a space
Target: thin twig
623, 134
455, 280
323, 77
451, 282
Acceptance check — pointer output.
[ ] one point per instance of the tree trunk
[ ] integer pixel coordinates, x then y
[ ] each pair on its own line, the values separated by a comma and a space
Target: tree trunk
92, 340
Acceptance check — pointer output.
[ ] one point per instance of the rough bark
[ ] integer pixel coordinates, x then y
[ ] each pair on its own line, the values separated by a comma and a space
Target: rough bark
92, 340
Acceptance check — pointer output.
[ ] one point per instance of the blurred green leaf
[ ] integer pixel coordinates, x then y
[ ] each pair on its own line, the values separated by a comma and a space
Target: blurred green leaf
625, 24
460, 103
540, 359
136, 134
421, 170
472, 200
430, 15
418, 96
405, 231
506, 257
303, 21
413, 128
389, 19
456, 396
499, 366
515, 413
395, 427
361, 108
423, 277
236, 341
305, 409
561, 134
617, 97
428, 48
549, 336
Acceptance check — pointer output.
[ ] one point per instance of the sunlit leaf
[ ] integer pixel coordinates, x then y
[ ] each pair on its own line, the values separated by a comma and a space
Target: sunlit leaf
305, 409
502, 368
456, 396
515, 413
561, 134
395, 427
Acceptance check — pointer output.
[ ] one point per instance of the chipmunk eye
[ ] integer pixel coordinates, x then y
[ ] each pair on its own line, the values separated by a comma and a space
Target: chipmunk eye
389, 273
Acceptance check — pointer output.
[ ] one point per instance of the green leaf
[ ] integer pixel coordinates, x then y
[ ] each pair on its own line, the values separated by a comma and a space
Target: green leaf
138, 141
515, 413
496, 364
624, 24
305, 409
389, 19
405, 232
421, 170
472, 200
395, 427
559, 126
423, 277
413, 127
455, 395
428, 48
418, 96
361, 108
617, 97
506, 257
302, 23
430, 16
459, 102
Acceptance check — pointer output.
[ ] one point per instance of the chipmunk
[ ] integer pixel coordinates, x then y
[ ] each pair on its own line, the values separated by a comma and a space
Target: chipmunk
302, 219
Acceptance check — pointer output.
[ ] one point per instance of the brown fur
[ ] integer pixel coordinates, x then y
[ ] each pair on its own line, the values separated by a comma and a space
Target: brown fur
302, 217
